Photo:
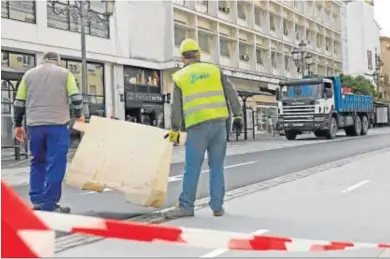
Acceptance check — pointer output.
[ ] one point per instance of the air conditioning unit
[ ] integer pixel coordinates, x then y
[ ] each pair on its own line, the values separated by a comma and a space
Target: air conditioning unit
244, 57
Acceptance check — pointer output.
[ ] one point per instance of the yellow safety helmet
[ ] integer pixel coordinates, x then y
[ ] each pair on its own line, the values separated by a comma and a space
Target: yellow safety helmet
189, 45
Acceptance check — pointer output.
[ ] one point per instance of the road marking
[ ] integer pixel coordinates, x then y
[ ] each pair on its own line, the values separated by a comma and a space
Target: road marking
355, 186
177, 178
218, 252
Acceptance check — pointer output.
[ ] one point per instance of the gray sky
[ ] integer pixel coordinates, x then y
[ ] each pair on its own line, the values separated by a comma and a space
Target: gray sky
382, 15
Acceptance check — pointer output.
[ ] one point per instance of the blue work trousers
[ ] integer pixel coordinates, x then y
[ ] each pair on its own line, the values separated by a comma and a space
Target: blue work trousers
210, 137
49, 147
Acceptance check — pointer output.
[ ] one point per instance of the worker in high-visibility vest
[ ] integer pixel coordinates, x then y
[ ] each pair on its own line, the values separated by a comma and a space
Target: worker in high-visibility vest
43, 96
201, 95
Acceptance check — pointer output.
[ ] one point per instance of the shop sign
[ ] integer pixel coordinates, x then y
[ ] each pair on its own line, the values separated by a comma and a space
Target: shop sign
144, 97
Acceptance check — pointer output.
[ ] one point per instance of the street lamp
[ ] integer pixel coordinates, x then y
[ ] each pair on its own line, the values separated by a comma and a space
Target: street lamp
302, 58
80, 11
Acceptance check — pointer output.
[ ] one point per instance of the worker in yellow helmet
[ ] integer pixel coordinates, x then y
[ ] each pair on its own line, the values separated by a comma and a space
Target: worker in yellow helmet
202, 100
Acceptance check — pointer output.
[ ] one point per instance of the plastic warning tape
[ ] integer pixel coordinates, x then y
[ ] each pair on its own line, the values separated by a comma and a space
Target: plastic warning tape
26, 234
201, 238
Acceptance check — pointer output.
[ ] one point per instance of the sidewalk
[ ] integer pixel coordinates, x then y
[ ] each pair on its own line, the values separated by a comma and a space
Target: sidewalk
342, 201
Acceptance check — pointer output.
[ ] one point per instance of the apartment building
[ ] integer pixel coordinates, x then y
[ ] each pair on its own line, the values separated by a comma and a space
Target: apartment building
132, 56
384, 86
361, 39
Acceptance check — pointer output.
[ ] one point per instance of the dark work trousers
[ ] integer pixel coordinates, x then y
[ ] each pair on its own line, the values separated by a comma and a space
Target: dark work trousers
49, 148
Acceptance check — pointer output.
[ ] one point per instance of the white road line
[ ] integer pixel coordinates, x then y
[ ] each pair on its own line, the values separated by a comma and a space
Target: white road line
218, 252
177, 178
355, 186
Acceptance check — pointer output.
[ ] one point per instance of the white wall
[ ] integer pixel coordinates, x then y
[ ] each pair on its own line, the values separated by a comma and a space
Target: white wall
38, 38
362, 35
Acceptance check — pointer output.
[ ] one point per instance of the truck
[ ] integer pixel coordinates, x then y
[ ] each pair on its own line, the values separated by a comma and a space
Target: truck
321, 105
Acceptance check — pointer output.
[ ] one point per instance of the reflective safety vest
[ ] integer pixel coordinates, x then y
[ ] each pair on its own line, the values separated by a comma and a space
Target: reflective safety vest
202, 93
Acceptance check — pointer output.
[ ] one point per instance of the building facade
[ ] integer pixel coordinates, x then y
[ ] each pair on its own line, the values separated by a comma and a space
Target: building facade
131, 58
384, 86
361, 39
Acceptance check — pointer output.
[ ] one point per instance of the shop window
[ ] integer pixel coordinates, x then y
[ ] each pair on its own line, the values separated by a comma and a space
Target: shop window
24, 11
142, 80
68, 21
95, 84
204, 40
20, 61
224, 46
180, 34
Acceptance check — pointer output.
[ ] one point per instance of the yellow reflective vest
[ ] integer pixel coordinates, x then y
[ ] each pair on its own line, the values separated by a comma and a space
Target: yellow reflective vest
202, 93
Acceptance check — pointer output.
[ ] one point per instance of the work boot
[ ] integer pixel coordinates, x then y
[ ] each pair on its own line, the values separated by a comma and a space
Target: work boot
61, 209
178, 213
218, 213
37, 207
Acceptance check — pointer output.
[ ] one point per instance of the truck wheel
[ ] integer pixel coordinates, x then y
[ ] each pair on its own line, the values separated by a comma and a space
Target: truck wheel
290, 135
332, 132
365, 125
357, 127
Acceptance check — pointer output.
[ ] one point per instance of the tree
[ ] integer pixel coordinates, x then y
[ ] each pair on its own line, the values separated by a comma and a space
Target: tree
359, 85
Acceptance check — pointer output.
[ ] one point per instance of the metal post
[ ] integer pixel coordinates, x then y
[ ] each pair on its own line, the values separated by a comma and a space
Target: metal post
303, 63
253, 124
245, 118
84, 71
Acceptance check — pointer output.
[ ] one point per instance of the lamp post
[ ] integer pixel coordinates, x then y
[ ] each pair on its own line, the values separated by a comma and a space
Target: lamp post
81, 11
302, 58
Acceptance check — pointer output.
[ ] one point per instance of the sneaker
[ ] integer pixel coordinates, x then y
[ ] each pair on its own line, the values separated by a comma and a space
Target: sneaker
178, 213
219, 213
61, 209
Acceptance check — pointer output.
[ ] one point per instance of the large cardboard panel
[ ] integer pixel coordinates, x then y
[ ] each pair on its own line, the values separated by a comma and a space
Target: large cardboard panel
128, 157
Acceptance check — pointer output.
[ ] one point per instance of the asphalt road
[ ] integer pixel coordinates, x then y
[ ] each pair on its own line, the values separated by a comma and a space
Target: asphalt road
241, 170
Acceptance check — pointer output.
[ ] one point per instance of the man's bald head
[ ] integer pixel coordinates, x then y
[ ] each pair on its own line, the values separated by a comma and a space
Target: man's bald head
51, 57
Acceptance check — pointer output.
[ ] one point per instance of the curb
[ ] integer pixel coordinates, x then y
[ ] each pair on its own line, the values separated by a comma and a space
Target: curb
74, 240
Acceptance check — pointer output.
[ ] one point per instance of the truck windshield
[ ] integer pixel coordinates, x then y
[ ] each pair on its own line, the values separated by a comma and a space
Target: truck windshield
301, 91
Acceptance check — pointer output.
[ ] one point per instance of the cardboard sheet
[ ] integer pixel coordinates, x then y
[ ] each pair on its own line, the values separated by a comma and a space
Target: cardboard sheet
128, 157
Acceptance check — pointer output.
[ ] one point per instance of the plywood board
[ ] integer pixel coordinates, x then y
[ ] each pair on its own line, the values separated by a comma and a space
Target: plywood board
128, 157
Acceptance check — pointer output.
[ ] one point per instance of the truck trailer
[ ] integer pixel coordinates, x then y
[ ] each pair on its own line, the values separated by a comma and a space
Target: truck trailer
322, 106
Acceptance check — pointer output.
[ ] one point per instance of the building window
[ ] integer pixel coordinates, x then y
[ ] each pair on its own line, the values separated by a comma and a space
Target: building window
24, 11
224, 46
285, 27
369, 59
272, 22
204, 40
241, 10
95, 87
18, 61
69, 22
258, 17
274, 59
180, 35
259, 57
287, 63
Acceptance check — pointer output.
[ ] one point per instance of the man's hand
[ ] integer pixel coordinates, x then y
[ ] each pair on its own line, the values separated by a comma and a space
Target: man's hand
238, 125
81, 118
173, 136
19, 134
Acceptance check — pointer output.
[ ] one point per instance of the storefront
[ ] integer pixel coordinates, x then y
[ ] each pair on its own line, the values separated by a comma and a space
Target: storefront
144, 102
95, 84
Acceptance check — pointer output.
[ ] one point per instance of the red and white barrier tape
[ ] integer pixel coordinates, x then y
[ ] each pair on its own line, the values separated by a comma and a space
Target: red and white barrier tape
35, 231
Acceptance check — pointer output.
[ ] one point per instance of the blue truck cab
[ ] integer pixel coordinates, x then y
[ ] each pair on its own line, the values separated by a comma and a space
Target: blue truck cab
319, 105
